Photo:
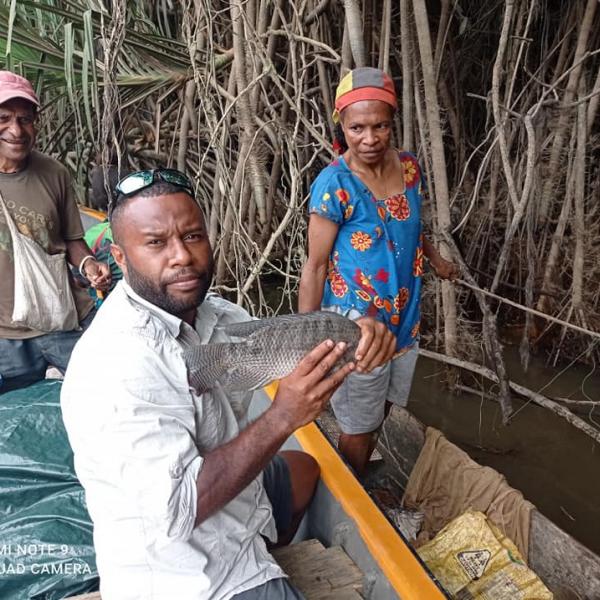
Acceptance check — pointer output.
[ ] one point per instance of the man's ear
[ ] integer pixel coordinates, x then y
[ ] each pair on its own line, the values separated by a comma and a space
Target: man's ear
119, 256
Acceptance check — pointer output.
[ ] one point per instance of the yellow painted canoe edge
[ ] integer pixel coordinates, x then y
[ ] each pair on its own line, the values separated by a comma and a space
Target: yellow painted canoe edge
402, 569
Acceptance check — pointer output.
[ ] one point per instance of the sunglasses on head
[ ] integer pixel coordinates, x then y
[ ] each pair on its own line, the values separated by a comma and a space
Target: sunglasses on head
135, 182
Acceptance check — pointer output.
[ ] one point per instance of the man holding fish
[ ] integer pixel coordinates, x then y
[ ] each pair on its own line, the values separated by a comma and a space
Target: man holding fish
182, 490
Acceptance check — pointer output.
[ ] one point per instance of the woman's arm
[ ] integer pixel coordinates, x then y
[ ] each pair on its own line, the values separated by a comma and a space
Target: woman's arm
321, 237
443, 268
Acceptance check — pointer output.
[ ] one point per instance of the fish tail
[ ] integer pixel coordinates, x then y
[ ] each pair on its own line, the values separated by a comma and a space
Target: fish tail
206, 364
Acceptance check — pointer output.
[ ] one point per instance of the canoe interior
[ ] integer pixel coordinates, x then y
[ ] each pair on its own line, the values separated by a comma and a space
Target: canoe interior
342, 514
563, 564
319, 573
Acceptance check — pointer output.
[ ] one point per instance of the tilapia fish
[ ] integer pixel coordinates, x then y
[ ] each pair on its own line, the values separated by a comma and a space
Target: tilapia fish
266, 349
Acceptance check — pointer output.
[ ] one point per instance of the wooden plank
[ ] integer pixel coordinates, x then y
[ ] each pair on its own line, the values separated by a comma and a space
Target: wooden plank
320, 573
560, 560
400, 442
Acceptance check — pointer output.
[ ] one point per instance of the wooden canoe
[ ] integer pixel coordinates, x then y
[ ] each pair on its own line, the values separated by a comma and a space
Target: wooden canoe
567, 567
343, 514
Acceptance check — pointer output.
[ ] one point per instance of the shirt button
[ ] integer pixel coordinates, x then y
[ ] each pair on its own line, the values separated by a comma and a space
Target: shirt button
175, 471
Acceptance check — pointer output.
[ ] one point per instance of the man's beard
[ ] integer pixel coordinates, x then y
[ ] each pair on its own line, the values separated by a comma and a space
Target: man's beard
158, 294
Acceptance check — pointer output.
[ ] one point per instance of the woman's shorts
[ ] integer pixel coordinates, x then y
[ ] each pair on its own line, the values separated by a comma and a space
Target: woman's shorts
359, 403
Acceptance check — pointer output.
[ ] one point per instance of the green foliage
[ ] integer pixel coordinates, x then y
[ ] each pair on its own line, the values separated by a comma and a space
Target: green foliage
58, 46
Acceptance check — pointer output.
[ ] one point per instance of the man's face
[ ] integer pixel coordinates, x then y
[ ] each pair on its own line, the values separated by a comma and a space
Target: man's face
367, 127
17, 132
165, 253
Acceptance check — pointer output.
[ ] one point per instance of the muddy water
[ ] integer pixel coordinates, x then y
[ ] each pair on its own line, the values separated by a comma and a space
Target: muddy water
556, 466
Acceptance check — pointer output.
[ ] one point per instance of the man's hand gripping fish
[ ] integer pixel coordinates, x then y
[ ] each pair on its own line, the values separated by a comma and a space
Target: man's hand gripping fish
267, 349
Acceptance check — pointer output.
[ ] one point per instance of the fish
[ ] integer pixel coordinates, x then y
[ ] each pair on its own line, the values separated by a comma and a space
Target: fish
264, 350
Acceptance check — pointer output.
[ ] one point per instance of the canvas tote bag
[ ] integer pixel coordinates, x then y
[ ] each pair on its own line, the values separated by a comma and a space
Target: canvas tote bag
43, 298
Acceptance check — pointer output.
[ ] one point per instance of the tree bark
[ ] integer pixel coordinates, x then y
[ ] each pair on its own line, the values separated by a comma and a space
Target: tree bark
440, 181
246, 122
407, 92
189, 92
355, 32
384, 42
579, 198
560, 131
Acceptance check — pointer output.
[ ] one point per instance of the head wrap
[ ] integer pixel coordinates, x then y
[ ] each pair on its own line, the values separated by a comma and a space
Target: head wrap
364, 83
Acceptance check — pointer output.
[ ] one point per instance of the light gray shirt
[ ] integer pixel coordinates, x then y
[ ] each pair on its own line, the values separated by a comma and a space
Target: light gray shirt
139, 435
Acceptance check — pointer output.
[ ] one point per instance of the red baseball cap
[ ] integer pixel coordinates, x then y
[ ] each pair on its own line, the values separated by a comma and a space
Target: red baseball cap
15, 86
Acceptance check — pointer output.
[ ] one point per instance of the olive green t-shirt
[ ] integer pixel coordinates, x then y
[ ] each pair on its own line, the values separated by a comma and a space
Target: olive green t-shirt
41, 201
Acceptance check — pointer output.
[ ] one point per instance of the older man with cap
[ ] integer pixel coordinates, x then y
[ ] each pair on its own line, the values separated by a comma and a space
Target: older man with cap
37, 196
366, 250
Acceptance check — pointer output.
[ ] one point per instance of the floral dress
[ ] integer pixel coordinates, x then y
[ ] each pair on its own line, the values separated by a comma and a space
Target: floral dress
376, 263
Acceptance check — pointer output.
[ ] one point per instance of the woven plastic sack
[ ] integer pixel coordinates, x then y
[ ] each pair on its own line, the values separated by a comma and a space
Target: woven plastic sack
46, 545
473, 560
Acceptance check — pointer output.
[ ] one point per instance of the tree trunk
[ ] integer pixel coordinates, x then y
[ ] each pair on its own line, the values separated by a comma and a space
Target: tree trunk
355, 32
560, 131
407, 92
579, 224
189, 92
557, 238
384, 42
246, 122
440, 181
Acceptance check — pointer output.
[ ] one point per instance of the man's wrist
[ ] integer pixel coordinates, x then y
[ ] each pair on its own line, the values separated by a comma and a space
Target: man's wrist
84, 260
280, 422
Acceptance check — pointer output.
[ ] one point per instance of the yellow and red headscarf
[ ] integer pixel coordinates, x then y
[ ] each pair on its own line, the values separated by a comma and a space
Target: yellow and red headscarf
364, 83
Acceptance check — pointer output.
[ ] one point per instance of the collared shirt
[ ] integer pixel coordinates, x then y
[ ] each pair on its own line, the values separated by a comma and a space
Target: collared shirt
376, 262
139, 436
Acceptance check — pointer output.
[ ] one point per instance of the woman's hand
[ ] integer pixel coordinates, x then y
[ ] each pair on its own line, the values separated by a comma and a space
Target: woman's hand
444, 269
377, 344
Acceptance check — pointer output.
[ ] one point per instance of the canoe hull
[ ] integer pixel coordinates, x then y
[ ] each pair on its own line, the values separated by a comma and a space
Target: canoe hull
343, 514
559, 559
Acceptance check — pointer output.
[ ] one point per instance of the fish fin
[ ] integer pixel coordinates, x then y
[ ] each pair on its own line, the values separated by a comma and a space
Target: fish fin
206, 364
247, 328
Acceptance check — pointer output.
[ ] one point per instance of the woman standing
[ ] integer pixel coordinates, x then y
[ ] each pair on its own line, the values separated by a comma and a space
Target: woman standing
366, 249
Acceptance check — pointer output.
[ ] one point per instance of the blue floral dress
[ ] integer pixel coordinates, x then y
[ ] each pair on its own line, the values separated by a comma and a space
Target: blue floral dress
376, 263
